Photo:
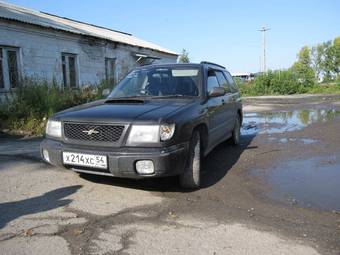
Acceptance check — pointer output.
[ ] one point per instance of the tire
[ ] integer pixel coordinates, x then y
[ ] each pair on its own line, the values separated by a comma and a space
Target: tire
190, 178
236, 131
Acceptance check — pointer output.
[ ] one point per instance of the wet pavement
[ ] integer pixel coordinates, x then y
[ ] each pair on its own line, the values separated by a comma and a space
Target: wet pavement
285, 121
312, 182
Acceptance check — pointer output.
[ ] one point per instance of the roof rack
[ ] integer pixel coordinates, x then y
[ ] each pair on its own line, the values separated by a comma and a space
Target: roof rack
210, 63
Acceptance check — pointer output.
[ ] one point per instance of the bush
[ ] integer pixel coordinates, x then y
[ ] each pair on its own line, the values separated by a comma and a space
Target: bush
281, 82
34, 101
326, 88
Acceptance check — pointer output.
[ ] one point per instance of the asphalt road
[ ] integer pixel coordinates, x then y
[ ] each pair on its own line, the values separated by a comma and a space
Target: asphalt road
277, 193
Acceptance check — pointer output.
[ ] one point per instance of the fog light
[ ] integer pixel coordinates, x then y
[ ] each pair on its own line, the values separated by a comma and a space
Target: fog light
145, 167
46, 155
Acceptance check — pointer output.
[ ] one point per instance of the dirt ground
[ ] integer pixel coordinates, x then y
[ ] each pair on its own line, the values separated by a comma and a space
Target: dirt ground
276, 193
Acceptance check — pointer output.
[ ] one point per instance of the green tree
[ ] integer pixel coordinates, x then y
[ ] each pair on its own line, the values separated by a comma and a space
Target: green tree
336, 46
303, 67
317, 54
328, 61
184, 57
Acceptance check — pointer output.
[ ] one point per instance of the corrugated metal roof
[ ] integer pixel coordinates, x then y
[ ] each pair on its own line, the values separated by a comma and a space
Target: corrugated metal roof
17, 13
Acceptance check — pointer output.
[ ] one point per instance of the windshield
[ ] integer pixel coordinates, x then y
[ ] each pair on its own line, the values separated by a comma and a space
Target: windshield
159, 82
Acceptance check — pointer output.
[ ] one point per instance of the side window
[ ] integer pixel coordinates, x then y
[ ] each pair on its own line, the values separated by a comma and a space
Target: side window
212, 80
231, 81
223, 81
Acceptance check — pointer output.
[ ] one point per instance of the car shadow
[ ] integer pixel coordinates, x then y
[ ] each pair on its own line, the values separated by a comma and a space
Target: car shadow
215, 166
10, 211
218, 163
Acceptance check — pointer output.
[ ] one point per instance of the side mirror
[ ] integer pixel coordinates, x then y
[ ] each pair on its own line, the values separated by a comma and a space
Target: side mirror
217, 92
105, 92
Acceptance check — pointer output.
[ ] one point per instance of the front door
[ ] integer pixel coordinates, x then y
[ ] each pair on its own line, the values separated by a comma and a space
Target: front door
228, 104
215, 111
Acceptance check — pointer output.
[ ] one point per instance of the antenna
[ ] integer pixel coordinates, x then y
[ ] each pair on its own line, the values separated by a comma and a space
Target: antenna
263, 31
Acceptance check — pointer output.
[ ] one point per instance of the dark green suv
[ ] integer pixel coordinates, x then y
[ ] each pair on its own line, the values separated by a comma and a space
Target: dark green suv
160, 120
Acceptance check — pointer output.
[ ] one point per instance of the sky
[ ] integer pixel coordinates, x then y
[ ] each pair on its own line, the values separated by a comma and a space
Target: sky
224, 32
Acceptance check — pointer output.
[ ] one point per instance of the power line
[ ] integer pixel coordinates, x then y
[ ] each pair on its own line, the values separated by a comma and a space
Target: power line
263, 31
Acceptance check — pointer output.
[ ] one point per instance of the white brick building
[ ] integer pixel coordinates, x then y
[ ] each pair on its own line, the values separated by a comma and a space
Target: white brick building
41, 45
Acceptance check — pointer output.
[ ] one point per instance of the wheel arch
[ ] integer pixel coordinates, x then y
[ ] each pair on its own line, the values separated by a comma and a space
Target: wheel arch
204, 135
239, 112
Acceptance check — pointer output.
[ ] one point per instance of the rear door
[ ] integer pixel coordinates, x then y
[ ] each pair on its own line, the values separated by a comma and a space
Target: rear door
235, 92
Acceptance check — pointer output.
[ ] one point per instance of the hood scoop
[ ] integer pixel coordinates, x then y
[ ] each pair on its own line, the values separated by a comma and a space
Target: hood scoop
124, 101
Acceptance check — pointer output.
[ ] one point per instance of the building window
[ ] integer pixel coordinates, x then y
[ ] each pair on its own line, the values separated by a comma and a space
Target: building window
2, 84
9, 68
69, 67
13, 72
110, 68
63, 63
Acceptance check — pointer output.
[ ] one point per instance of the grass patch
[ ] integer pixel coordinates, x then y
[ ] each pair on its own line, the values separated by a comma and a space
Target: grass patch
28, 108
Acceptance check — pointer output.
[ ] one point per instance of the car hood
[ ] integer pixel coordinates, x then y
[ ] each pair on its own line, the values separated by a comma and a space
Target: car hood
123, 111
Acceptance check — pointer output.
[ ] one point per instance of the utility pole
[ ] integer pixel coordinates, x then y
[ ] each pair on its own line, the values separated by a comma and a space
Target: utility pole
263, 31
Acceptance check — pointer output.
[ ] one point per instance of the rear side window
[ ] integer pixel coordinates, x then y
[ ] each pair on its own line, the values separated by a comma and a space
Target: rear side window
231, 81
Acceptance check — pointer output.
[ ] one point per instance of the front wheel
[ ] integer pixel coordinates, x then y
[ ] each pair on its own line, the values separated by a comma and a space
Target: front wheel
190, 178
237, 130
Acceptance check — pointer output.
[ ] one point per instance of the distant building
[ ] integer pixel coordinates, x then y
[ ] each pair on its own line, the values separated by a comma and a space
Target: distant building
74, 53
244, 76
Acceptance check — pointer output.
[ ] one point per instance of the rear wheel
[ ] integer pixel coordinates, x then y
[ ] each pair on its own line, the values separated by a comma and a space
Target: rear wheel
190, 178
237, 130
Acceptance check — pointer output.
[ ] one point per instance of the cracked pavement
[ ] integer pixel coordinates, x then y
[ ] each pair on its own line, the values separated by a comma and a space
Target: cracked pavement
44, 209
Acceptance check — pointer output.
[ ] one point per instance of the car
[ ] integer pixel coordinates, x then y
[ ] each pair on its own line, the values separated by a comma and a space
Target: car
160, 120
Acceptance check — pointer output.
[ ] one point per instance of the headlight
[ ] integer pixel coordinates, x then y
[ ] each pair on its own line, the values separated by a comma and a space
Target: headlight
53, 128
143, 134
150, 133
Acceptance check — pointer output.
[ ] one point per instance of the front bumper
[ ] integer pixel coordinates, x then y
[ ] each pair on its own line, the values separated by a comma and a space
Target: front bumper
167, 161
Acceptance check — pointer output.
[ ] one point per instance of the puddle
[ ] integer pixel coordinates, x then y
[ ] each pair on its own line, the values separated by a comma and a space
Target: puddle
308, 141
299, 140
281, 122
307, 183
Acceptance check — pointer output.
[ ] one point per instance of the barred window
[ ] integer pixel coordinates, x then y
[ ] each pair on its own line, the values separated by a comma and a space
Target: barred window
63, 64
72, 68
2, 84
9, 67
69, 68
13, 72
110, 67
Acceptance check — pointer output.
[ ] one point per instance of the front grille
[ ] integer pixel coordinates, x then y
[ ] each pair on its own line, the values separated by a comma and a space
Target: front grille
91, 132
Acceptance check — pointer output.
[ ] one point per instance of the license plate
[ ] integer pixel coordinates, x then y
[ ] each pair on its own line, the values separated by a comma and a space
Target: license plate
88, 160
